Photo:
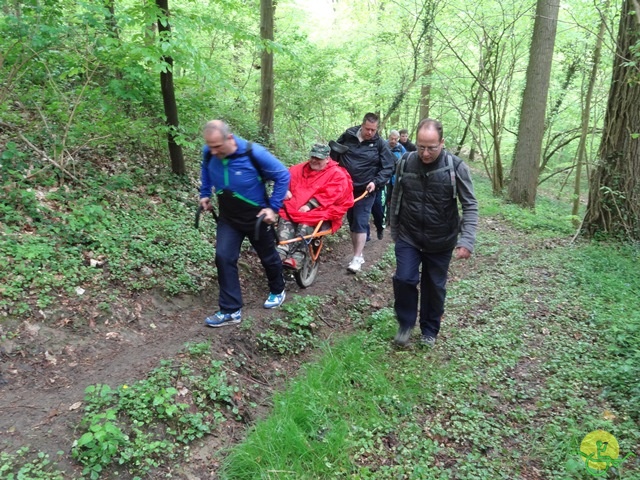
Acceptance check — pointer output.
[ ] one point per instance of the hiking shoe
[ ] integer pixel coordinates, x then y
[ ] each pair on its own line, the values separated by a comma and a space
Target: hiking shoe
221, 319
428, 341
274, 300
402, 337
380, 234
356, 264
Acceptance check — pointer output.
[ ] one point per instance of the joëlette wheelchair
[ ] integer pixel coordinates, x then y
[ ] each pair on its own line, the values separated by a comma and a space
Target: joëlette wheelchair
310, 246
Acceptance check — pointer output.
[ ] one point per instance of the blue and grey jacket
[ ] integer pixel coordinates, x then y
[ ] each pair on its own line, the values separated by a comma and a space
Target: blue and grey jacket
398, 151
237, 175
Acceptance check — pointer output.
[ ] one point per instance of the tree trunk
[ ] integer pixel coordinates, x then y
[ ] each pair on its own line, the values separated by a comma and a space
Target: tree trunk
110, 19
421, 49
477, 139
586, 114
614, 193
524, 170
425, 89
267, 11
168, 92
497, 180
474, 101
572, 69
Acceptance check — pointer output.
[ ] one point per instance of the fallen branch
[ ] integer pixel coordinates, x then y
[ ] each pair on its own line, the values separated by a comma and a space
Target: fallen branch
42, 154
326, 322
250, 379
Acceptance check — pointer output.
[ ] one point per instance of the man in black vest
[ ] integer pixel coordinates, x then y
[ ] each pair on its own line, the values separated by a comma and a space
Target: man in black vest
425, 224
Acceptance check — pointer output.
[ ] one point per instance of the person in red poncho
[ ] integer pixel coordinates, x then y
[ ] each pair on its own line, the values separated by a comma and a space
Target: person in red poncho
320, 190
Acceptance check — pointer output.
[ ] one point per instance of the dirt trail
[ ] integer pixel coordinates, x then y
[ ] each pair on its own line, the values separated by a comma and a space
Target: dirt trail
45, 370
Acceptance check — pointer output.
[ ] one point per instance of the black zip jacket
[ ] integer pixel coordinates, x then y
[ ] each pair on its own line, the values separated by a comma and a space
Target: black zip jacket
368, 161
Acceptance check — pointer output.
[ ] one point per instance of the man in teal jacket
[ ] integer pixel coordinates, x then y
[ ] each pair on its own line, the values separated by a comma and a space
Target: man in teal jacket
236, 171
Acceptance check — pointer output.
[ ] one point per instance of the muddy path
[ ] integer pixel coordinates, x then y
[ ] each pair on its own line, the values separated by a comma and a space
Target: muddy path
47, 366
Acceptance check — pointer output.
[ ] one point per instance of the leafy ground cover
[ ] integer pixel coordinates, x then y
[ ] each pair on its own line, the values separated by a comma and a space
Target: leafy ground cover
539, 347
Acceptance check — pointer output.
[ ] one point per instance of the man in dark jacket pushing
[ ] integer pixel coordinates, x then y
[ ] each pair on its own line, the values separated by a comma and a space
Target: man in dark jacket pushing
370, 162
426, 226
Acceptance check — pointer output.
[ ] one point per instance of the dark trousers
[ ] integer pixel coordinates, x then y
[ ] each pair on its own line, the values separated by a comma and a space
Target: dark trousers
358, 215
228, 244
433, 281
377, 211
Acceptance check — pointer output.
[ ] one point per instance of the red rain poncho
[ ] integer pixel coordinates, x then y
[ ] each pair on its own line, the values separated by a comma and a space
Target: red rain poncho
331, 187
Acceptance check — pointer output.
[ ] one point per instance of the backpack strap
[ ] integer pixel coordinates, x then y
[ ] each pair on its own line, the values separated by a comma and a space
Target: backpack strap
454, 170
452, 173
253, 160
450, 166
249, 153
402, 166
261, 177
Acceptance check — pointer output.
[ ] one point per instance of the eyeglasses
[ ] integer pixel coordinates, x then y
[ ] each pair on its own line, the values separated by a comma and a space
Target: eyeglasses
431, 149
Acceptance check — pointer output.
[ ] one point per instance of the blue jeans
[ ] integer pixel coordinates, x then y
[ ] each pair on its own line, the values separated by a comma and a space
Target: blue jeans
228, 244
433, 281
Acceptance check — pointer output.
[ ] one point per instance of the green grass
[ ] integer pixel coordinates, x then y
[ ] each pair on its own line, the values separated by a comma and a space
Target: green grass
540, 346
551, 217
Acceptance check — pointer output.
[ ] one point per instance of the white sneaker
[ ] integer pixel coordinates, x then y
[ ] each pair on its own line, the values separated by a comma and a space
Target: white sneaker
356, 264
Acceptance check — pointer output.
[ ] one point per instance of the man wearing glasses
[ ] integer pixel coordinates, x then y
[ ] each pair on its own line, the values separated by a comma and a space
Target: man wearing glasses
426, 226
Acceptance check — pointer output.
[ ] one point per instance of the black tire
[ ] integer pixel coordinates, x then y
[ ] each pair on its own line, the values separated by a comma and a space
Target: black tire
308, 272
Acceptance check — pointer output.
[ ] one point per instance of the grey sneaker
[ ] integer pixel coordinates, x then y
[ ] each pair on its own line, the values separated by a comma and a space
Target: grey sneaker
402, 337
428, 341
220, 319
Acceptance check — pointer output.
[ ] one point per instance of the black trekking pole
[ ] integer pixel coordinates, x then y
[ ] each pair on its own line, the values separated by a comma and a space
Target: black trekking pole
199, 212
256, 228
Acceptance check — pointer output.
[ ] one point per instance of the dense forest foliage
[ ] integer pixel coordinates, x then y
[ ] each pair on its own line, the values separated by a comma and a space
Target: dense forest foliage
117, 87
82, 81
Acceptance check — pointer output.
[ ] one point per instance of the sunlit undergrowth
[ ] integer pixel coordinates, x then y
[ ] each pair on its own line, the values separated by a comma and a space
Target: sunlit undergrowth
131, 230
551, 217
539, 347
608, 281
